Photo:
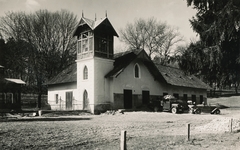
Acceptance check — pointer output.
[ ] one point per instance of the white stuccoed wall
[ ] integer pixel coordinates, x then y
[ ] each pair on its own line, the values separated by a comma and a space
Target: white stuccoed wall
96, 85
61, 91
102, 84
88, 84
126, 80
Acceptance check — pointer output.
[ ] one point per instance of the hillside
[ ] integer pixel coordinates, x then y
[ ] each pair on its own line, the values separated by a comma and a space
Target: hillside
232, 102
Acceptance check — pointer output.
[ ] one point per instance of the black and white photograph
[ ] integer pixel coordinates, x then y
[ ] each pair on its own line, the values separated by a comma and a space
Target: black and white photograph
119, 74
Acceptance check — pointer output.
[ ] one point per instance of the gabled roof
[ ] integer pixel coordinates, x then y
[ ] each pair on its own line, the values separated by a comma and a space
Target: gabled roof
93, 25
68, 75
169, 75
163, 74
122, 60
177, 77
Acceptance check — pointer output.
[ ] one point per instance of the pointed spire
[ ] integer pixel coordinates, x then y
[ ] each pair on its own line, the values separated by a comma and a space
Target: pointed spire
82, 14
106, 14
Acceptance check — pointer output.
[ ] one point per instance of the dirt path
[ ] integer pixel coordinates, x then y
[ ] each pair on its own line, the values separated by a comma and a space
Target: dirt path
145, 130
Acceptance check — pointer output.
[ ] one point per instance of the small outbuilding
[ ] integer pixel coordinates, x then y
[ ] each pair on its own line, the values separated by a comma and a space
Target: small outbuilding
10, 92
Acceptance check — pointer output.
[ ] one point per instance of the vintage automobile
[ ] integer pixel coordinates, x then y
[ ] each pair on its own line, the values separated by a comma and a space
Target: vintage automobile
198, 109
171, 104
174, 105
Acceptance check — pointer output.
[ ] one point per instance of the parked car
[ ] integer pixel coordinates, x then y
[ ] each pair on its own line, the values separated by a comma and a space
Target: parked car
169, 103
174, 105
198, 109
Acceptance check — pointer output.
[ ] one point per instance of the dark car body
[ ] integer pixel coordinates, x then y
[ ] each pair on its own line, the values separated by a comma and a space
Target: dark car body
169, 103
198, 109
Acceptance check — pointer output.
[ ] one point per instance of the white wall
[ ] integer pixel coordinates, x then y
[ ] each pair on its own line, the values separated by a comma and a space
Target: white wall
88, 84
96, 85
61, 91
185, 90
101, 84
126, 80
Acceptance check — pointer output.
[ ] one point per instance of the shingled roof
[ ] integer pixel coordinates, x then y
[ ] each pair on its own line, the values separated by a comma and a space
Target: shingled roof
177, 77
93, 25
68, 75
166, 74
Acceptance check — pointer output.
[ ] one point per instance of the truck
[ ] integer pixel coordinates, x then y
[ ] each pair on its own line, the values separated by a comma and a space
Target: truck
171, 104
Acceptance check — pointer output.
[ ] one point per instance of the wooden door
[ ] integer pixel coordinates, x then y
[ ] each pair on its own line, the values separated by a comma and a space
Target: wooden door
69, 96
201, 99
185, 97
127, 99
145, 97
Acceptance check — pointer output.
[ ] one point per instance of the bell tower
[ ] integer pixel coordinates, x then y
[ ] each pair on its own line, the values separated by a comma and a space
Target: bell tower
95, 39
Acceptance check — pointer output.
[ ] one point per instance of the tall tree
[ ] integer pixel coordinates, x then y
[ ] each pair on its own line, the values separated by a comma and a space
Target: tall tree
217, 23
202, 61
157, 38
51, 47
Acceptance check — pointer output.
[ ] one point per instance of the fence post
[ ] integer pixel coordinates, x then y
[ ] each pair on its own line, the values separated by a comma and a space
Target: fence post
123, 145
188, 130
231, 125
39, 113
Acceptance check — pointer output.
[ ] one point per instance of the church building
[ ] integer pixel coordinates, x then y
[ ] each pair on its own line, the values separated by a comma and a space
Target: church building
101, 80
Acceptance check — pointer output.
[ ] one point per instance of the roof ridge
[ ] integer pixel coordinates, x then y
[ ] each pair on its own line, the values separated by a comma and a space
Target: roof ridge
129, 51
167, 66
94, 23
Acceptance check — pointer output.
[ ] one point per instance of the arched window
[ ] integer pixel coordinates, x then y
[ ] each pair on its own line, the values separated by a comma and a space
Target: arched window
136, 71
85, 100
85, 73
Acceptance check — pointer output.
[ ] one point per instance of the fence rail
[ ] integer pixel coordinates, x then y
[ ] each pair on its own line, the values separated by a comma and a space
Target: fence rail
11, 101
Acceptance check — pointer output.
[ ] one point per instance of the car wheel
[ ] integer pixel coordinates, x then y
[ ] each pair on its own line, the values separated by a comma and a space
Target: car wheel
198, 111
174, 110
217, 111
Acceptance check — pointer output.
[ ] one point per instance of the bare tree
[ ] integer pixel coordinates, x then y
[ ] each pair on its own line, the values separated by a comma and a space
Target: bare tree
157, 38
51, 47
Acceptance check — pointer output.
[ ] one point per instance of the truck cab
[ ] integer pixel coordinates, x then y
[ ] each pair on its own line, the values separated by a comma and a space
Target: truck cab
169, 103
174, 105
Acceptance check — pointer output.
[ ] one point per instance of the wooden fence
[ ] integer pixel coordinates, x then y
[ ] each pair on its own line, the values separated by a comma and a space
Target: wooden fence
31, 100
11, 101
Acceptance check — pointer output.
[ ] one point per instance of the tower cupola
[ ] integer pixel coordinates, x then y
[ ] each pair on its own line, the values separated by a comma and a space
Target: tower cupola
95, 38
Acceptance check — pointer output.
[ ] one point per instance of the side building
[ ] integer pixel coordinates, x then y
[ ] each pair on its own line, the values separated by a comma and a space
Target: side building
10, 92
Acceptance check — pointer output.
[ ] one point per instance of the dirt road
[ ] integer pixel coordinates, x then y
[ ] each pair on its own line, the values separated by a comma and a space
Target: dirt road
145, 130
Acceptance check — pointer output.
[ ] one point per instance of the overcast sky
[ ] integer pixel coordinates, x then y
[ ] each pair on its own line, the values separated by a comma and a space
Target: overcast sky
120, 12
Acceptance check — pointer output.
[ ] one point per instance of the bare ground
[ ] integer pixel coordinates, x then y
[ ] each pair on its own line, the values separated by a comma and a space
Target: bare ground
145, 130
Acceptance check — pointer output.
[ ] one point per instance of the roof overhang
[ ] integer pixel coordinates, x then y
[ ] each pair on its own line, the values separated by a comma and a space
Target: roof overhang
17, 81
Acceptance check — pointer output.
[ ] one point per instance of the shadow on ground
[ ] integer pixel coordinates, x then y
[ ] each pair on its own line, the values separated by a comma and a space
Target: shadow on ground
42, 119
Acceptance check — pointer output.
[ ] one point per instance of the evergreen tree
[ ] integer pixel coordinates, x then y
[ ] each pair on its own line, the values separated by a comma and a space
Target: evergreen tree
217, 23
